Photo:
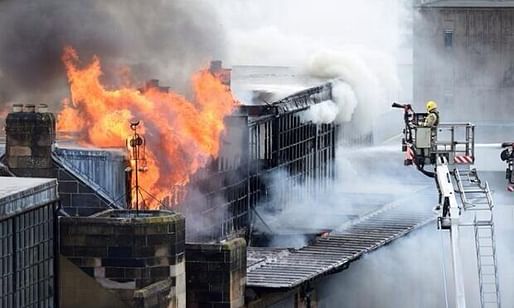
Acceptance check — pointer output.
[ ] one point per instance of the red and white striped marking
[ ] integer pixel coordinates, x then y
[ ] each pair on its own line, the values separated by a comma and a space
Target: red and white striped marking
510, 188
463, 159
409, 154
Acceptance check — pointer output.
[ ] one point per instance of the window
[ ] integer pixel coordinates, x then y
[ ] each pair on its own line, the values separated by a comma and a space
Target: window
448, 38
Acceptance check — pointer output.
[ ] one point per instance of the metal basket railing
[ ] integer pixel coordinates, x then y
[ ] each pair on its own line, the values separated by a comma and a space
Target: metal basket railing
455, 141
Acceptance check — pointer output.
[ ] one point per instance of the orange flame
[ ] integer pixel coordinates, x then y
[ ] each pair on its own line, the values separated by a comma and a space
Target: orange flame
181, 136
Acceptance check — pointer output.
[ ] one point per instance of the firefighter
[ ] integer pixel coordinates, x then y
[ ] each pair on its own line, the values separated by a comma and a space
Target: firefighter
432, 119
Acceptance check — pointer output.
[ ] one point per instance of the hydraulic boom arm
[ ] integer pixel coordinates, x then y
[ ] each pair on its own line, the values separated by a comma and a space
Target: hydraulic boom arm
450, 148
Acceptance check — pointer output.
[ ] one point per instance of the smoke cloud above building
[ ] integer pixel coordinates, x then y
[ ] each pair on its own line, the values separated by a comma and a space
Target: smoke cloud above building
161, 39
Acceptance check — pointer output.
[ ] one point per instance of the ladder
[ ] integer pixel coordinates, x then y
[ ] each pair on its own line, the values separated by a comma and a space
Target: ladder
476, 198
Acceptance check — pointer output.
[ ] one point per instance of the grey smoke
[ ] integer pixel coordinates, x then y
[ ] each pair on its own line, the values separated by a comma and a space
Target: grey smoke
352, 43
155, 39
367, 81
405, 274
409, 272
472, 73
349, 40
366, 179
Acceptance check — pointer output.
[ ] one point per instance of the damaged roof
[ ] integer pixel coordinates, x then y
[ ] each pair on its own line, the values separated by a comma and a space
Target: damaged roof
299, 101
289, 268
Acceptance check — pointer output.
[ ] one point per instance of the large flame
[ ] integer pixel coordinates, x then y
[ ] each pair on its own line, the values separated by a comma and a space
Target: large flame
181, 136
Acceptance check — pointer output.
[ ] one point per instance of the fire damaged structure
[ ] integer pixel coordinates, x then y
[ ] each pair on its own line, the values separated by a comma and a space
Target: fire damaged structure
194, 250
259, 141
288, 277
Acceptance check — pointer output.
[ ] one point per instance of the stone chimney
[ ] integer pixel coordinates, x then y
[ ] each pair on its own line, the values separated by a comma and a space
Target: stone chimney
30, 134
223, 74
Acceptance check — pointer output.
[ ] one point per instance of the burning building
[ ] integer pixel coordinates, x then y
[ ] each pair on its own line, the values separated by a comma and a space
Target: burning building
211, 165
92, 259
258, 141
90, 180
181, 135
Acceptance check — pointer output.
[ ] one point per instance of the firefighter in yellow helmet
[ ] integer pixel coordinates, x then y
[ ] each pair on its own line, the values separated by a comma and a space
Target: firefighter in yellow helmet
432, 119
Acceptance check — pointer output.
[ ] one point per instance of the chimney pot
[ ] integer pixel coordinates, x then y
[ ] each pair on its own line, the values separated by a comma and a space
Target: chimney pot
42, 108
17, 108
216, 66
29, 108
152, 83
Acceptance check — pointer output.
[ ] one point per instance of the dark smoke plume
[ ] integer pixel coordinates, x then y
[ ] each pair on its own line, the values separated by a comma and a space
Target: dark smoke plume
155, 39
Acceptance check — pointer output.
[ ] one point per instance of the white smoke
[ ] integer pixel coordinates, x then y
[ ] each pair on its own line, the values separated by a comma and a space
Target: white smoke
322, 113
351, 44
337, 39
339, 109
288, 32
322, 38
363, 184
368, 82
405, 274
346, 100
423, 259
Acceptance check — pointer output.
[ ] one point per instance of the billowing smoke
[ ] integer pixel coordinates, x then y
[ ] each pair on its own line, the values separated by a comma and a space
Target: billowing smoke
366, 83
322, 113
407, 273
385, 278
354, 42
317, 35
339, 109
366, 179
351, 44
288, 32
158, 39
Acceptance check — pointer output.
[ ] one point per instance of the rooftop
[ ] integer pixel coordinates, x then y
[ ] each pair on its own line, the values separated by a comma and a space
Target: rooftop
20, 194
253, 84
297, 101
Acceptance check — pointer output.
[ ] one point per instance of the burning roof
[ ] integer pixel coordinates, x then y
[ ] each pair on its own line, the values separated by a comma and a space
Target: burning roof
181, 135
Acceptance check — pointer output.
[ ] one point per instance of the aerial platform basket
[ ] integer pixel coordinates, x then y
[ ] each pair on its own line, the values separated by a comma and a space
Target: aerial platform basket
454, 141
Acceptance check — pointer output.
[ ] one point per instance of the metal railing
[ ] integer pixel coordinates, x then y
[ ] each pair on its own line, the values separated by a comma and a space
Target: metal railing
477, 200
424, 144
455, 139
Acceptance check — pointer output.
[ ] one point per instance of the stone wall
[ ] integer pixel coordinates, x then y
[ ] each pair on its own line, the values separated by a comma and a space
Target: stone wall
29, 139
90, 181
463, 57
78, 198
216, 274
139, 257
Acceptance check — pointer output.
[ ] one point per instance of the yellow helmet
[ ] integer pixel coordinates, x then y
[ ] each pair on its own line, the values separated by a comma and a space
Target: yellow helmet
431, 105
